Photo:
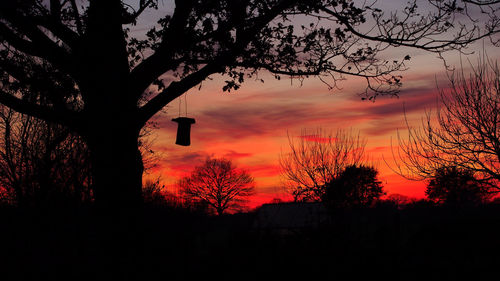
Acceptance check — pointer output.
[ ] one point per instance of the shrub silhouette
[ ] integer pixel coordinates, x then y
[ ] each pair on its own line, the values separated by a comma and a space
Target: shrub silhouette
455, 186
355, 186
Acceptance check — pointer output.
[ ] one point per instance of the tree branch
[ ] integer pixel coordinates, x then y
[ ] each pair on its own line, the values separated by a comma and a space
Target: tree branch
412, 41
132, 17
175, 89
39, 45
15, 41
76, 15
60, 116
60, 30
158, 63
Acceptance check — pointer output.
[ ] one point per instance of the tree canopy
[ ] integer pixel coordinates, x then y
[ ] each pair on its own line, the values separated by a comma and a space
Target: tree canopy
457, 186
354, 186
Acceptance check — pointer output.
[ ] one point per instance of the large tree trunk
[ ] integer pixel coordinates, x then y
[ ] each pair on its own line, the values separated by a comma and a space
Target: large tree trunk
112, 128
116, 165
117, 184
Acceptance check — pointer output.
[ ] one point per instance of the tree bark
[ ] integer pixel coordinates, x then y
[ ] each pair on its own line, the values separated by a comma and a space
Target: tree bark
111, 130
116, 165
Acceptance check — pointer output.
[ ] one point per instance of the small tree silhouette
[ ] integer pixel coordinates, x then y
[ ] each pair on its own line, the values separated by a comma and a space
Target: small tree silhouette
218, 184
317, 158
355, 186
456, 186
153, 192
399, 200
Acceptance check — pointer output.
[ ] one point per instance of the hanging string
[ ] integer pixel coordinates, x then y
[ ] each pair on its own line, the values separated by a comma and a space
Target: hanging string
185, 105
179, 106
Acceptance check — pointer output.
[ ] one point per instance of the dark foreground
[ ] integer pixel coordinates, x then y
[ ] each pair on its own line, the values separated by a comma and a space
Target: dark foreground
420, 243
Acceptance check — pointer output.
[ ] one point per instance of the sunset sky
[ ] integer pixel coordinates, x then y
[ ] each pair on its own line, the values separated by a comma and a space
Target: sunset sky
250, 126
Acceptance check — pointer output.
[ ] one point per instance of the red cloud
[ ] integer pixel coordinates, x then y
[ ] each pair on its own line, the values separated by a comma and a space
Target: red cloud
231, 154
263, 170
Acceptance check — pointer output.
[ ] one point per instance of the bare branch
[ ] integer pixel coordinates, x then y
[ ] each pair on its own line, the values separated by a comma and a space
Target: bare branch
59, 116
465, 132
218, 183
317, 158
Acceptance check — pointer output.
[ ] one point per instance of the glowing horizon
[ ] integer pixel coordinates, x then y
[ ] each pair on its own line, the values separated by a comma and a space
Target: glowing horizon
251, 126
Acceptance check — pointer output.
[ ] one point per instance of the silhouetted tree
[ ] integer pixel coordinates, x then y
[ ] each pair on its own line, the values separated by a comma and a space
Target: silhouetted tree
153, 192
457, 186
399, 200
105, 82
354, 186
315, 159
45, 164
219, 184
156, 194
41, 164
465, 134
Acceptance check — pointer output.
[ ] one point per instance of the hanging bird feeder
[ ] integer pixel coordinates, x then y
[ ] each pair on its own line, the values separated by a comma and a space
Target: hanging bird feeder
183, 130
183, 126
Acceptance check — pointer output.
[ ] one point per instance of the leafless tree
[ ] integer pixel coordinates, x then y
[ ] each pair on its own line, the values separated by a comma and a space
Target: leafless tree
315, 159
41, 163
156, 194
219, 184
465, 132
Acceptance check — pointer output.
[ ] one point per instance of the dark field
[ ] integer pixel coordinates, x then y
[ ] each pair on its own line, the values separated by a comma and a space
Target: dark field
417, 243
